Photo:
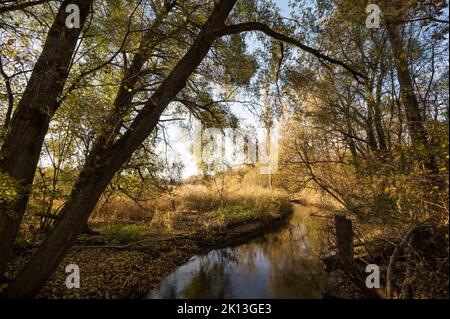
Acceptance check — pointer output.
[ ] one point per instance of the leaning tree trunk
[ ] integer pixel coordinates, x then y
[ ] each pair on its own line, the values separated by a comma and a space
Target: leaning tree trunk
102, 164
23, 141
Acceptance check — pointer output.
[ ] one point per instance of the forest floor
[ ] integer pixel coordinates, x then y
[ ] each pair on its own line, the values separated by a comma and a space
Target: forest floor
129, 269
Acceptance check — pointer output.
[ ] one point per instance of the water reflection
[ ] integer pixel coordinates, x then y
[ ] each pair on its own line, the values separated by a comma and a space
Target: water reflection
277, 265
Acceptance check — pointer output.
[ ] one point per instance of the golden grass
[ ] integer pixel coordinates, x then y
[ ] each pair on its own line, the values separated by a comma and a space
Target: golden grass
204, 199
235, 199
121, 209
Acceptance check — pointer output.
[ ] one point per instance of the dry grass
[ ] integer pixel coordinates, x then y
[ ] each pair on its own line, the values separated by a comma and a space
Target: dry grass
237, 204
240, 197
204, 199
120, 209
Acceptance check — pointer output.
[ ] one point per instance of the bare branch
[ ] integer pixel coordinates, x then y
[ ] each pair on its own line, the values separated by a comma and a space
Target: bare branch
258, 26
21, 6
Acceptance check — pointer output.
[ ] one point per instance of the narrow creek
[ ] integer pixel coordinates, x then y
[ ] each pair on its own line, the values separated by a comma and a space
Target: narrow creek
282, 264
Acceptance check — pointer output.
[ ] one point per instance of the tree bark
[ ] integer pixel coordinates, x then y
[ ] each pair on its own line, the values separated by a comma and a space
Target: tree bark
104, 161
23, 141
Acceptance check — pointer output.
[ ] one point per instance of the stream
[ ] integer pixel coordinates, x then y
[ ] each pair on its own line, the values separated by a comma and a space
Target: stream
281, 264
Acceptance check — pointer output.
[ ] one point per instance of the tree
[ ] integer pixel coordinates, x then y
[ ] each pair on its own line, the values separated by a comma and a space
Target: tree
23, 140
419, 134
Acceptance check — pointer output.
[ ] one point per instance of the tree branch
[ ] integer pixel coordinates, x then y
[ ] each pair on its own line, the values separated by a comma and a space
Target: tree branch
258, 26
21, 6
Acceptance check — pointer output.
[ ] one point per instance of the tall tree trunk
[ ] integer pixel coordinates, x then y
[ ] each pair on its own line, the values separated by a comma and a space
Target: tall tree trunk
379, 127
415, 121
23, 141
103, 163
349, 139
374, 120
377, 113
369, 129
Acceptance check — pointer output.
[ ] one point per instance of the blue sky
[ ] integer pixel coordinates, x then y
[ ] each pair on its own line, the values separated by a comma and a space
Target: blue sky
283, 5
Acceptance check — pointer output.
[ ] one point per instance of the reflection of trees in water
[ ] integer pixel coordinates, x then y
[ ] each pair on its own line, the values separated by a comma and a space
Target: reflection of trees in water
210, 281
294, 269
292, 274
243, 257
170, 292
211, 275
247, 255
